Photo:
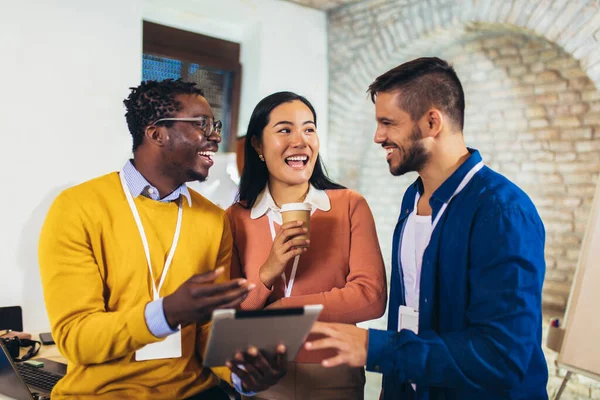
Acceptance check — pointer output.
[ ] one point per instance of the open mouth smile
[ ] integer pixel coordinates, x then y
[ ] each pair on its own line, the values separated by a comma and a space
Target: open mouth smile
297, 161
207, 156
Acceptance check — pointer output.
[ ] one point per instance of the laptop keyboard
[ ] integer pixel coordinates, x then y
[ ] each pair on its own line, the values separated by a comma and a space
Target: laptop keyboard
38, 377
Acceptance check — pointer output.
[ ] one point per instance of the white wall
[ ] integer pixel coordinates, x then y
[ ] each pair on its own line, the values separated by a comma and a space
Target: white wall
65, 70
66, 67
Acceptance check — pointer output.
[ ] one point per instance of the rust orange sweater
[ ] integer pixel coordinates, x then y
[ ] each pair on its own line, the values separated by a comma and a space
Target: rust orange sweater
343, 268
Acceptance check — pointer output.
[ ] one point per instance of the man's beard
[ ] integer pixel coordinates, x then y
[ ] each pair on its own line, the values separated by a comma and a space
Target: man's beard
414, 156
195, 176
179, 172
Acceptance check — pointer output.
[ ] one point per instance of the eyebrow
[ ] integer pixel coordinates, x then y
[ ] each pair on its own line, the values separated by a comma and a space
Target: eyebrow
291, 123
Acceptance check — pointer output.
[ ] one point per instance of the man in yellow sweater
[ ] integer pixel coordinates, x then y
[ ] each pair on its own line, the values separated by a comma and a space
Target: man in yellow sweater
133, 264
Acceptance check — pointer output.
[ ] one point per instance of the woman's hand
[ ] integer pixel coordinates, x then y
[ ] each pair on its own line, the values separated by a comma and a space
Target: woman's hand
284, 248
275, 304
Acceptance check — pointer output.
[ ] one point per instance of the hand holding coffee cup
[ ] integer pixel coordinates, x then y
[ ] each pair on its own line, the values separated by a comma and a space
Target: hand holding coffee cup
291, 241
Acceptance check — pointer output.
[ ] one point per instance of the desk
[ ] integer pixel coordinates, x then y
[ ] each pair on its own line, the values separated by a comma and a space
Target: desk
48, 351
51, 353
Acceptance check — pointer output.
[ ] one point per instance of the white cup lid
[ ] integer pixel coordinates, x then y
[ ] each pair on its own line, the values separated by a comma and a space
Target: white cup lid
296, 207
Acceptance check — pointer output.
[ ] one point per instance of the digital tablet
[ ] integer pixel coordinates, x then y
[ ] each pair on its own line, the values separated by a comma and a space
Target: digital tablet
234, 331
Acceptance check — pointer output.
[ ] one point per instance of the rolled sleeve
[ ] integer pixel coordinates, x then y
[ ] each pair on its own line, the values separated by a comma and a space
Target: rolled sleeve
156, 320
237, 385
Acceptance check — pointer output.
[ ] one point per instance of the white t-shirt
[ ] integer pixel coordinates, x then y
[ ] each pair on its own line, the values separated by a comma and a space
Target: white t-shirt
415, 239
417, 233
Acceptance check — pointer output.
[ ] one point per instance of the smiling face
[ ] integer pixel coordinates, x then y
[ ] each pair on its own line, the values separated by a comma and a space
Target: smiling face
399, 135
289, 143
188, 153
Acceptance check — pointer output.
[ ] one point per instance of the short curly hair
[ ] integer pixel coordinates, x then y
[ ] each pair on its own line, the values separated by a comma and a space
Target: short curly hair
153, 100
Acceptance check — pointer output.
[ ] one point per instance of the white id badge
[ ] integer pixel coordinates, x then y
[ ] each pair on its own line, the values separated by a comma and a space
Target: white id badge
168, 348
408, 318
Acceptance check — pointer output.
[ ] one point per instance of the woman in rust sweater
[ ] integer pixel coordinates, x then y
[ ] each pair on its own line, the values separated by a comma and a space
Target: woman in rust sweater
340, 266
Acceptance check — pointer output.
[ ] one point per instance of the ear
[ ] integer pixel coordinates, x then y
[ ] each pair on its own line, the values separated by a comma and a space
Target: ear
432, 123
257, 145
156, 135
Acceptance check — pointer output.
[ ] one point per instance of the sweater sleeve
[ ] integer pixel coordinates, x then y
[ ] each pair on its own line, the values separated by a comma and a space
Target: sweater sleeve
84, 331
365, 294
258, 296
225, 249
223, 260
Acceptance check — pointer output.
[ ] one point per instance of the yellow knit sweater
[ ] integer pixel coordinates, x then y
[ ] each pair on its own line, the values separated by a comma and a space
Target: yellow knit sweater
96, 286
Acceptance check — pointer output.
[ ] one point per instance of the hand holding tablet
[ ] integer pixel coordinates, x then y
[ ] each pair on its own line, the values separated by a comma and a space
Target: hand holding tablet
235, 332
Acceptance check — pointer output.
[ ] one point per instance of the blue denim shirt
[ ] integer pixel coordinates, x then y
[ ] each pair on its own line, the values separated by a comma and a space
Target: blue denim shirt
480, 326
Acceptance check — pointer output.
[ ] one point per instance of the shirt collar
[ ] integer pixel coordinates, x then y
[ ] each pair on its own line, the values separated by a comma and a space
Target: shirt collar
138, 185
318, 199
447, 189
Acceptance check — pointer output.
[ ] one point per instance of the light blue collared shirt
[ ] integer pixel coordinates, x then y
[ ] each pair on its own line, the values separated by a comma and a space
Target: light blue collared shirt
138, 185
154, 312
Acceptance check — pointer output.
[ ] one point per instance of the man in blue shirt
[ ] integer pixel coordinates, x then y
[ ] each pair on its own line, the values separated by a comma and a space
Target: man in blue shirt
464, 318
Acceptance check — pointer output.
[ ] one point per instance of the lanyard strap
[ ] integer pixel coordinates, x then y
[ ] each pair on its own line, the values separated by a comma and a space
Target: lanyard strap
138, 221
460, 187
288, 287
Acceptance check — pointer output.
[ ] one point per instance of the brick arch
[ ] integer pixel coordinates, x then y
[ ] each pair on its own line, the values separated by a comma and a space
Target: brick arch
369, 37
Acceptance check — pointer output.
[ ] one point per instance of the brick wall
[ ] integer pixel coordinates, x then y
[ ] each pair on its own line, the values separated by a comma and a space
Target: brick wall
528, 68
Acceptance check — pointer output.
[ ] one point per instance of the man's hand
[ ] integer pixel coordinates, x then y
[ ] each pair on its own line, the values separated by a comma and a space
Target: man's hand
196, 299
348, 340
257, 370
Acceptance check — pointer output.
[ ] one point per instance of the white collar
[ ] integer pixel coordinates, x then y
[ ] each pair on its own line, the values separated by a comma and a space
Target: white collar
264, 202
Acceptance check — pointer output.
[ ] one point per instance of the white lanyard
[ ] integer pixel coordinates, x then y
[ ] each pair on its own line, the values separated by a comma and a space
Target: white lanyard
138, 221
412, 251
288, 287
460, 187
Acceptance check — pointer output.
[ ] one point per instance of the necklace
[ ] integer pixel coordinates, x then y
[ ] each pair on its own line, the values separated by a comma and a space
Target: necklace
300, 199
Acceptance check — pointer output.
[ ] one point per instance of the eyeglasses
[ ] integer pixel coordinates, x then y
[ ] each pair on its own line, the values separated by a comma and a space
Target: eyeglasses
207, 125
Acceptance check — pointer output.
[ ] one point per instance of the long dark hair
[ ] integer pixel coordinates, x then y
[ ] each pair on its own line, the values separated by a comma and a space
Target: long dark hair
255, 174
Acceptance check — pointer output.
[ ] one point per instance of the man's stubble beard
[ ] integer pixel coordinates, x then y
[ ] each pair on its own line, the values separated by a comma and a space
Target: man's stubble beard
414, 158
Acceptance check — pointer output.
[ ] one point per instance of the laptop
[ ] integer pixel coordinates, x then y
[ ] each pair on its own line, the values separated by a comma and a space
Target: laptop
21, 381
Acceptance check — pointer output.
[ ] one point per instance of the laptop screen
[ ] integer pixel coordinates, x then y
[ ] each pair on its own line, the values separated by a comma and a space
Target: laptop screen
11, 386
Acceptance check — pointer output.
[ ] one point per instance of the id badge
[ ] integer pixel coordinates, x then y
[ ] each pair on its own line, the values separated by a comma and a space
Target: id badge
168, 348
408, 318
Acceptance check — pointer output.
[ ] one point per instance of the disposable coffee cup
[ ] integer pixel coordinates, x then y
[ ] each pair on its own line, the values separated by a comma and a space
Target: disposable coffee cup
297, 212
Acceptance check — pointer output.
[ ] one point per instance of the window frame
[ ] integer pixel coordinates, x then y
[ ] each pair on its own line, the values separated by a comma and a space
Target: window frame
204, 50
